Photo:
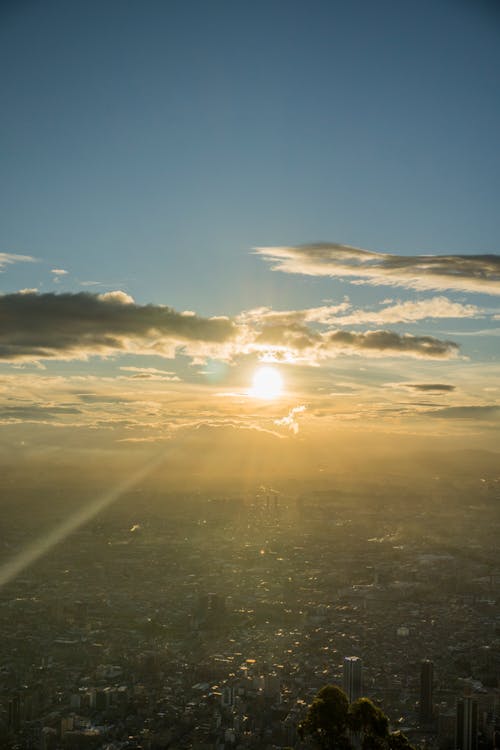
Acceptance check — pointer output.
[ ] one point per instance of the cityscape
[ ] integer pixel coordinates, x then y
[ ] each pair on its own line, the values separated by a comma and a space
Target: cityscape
211, 620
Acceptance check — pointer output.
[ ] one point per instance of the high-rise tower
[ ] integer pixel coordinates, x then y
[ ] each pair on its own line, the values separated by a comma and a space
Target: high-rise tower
466, 726
426, 684
353, 668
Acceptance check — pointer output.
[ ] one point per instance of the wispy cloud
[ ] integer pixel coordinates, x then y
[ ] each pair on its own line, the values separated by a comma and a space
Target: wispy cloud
301, 327
411, 311
325, 315
475, 273
150, 373
290, 421
7, 259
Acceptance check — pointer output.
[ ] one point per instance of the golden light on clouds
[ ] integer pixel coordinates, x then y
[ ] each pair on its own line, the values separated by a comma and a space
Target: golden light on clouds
267, 383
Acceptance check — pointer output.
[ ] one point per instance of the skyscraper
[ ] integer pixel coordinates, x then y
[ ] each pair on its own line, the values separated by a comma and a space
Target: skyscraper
466, 726
426, 681
353, 667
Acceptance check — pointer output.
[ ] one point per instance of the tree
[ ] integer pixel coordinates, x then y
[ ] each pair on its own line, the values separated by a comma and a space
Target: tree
333, 724
399, 741
327, 720
370, 723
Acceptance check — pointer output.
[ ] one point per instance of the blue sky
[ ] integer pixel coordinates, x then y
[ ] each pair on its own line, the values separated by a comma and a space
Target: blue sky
148, 148
153, 145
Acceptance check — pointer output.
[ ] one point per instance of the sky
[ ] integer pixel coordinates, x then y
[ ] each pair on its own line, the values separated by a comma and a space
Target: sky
192, 191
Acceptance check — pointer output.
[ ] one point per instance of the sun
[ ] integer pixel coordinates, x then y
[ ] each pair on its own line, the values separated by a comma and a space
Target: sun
267, 383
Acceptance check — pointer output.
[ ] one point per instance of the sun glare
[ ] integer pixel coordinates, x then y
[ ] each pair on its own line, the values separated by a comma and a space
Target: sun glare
267, 383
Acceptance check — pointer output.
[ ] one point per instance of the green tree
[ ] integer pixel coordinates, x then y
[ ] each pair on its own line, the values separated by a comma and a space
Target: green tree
333, 724
370, 723
399, 741
327, 720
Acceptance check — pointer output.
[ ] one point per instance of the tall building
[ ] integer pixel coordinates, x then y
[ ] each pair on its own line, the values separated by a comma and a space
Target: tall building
14, 713
466, 724
426, 684
353, 668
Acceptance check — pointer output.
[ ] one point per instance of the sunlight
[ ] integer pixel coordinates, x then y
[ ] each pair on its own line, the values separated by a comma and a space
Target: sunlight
267, 383
12, 568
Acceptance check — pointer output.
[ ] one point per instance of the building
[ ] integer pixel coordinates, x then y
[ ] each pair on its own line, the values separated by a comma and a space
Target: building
466, 724
353, 668
426, 695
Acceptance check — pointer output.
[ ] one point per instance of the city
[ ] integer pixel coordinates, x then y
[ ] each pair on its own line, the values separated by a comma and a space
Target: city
205, 620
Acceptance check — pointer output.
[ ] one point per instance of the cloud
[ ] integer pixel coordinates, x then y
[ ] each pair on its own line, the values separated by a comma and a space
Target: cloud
7, 259
117, 296
76, 326
409, 312
94, 398
35, 412
300, 335
301, 345
150, 373
289, 421
487, 412
57, 274
474, 273
480, 332
401, 312
324, 315
147, 370
428, 387
388, 342
292, 337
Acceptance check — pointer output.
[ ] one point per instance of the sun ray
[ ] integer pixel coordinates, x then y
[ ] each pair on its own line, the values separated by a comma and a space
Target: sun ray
42, 545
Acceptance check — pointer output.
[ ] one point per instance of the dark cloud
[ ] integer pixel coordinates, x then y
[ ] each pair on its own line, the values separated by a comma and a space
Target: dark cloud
76, 326
391, 343
289, 336
432, 387
72, 326
300, 343
477, 273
